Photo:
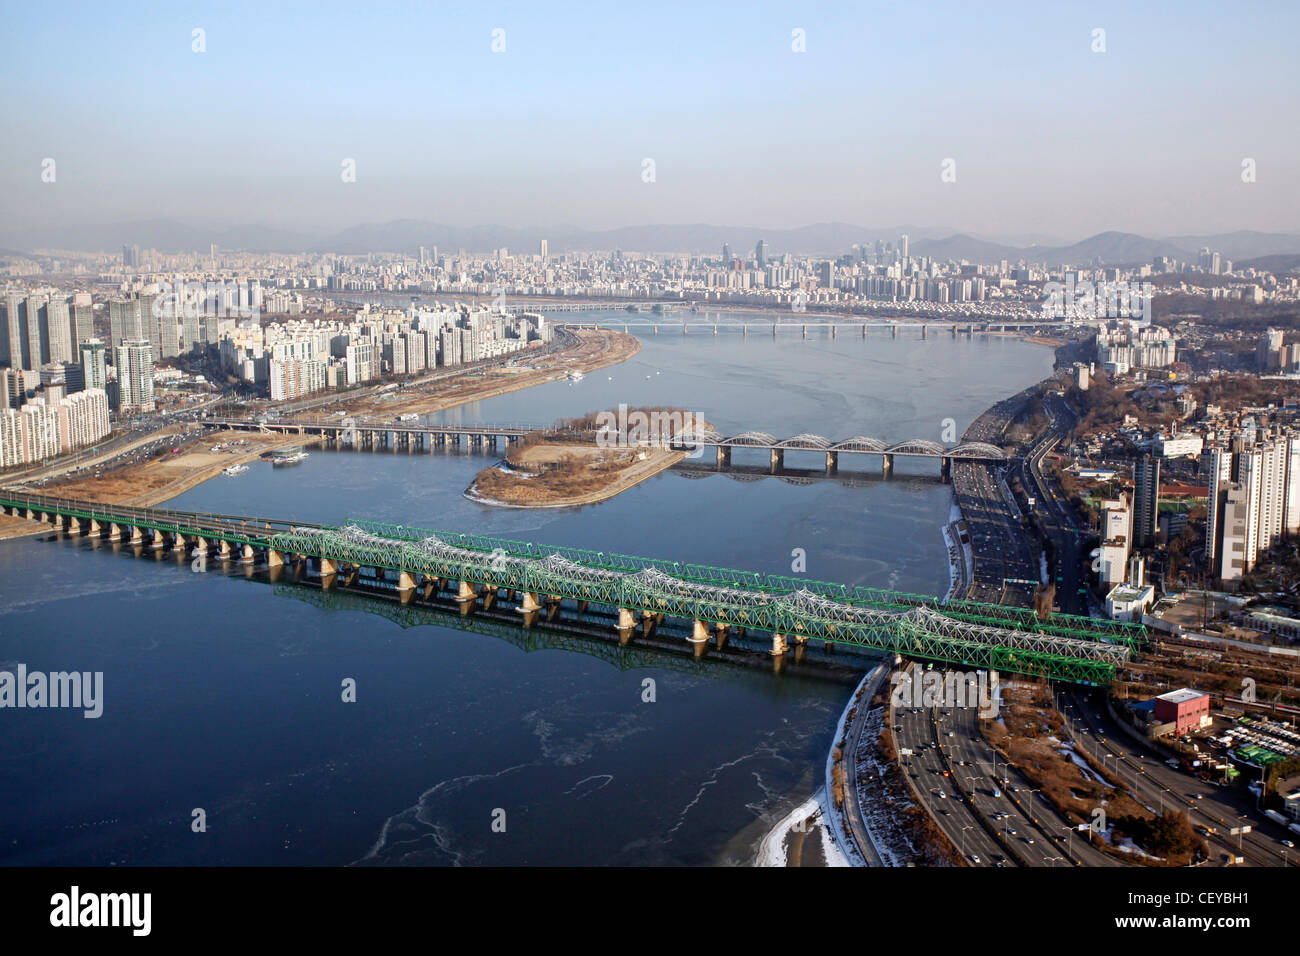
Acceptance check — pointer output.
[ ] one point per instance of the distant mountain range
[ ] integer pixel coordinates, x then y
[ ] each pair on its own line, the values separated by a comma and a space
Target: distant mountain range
407, 235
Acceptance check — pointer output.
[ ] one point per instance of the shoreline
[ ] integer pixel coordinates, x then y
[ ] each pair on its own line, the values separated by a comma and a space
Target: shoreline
629, 479
610, 355
464, 392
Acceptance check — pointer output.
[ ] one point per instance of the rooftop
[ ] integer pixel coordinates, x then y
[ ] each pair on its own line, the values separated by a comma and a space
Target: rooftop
1181, 696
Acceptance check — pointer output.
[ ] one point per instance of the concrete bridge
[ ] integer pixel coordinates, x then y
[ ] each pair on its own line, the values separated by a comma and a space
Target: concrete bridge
638, 594
368, 434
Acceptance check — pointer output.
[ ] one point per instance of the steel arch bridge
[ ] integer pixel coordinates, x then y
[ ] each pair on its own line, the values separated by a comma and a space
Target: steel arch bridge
960, 632
858, 444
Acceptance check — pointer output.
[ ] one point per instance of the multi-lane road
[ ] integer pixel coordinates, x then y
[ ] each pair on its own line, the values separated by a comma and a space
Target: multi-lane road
1053, 513
986, 808
1140, 769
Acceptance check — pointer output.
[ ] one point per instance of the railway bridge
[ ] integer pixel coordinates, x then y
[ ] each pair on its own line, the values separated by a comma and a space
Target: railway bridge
638, 594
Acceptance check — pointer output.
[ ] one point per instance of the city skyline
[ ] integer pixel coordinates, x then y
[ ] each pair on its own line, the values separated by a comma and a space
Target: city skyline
1045, 136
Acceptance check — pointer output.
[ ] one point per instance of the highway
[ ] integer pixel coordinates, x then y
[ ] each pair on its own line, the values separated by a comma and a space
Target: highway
1005, 556
914, 731
1141, 770
1015, 828
1053, 513
981, 771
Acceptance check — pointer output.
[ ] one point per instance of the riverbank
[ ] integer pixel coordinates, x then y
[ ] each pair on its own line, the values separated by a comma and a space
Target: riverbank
165, 476
595, 349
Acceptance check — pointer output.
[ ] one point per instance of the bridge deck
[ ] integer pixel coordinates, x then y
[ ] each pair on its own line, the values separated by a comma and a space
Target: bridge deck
966, 633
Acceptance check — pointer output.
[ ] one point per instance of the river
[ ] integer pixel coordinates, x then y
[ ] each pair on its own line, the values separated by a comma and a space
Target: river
224, 695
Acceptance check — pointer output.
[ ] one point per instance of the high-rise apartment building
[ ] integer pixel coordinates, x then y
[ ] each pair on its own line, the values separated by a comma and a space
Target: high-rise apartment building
134, 363
1146, 501
94, 371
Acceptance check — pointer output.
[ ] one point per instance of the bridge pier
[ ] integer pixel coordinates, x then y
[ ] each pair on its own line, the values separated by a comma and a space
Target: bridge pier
329, 571
466, 597
778, 459
626, 624
779, 649
489, 597
249, 556
886, 465
945, 469
720, 635
95, 530
893, 331
832, 462
924, 329
724, 456
274, 558
699, 638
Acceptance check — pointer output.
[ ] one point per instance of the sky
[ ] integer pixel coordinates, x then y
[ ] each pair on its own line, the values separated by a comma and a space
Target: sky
1047, 137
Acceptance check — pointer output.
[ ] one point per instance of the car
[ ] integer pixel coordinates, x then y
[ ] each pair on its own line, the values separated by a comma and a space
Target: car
1288, 844
1011, 831
942, 795
1198, 796
1029, 840
950, 733
974, 859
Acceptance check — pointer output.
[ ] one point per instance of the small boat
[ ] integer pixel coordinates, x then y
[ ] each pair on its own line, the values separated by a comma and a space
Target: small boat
576, 376
283, 458
234, 470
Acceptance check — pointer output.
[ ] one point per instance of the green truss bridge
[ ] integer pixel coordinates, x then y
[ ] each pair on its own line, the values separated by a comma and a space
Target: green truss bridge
478, 572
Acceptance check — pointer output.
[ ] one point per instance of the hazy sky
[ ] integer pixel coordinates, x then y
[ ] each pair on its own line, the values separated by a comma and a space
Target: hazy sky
1048, 136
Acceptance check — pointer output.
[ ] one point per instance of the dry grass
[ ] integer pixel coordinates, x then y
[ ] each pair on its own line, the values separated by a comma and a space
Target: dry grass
1024, 737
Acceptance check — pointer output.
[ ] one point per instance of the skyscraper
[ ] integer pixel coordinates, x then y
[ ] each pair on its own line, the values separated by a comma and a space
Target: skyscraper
134, 363
1146, 501
83, 324
38, 342
60, 330
15, 332
760, 254
124, 322
94, 370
